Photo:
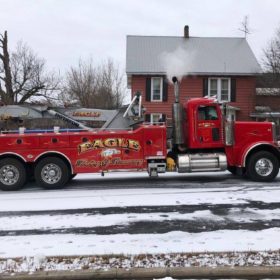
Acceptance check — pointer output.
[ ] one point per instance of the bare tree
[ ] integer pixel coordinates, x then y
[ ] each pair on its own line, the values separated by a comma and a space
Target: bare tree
6, 76
271, 62
99, 86
23, 75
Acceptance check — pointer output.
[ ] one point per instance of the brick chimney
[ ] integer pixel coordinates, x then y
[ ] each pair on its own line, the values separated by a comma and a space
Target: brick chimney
186, 31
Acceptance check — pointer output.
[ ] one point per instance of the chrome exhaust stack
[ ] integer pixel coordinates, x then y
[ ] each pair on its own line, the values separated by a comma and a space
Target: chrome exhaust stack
177, 114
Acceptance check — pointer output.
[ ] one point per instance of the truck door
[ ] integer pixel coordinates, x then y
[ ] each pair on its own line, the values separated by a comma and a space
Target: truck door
208, 128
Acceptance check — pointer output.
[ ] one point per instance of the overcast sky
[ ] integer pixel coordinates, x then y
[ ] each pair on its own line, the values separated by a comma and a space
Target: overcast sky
62, 31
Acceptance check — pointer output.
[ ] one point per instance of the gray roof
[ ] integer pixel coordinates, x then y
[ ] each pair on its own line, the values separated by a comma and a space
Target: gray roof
197, 55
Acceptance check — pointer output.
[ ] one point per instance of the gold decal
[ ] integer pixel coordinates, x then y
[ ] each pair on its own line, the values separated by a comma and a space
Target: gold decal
109, 143
109, 161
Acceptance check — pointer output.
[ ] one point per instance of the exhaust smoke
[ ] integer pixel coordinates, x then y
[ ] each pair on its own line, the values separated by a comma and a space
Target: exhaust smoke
177, 63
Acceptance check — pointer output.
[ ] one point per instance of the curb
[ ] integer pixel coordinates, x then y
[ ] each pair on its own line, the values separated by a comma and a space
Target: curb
151, 273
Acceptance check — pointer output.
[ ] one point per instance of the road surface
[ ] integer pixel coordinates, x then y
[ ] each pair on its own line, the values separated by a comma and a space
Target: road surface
132, 213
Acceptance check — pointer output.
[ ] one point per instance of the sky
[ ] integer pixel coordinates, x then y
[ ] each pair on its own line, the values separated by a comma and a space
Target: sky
63, 31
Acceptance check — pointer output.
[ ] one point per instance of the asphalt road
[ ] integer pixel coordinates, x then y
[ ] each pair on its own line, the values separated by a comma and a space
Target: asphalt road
173, 180
219, 182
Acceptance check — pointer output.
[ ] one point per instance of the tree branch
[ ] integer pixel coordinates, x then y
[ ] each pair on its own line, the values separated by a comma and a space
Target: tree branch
23, 74
30, 93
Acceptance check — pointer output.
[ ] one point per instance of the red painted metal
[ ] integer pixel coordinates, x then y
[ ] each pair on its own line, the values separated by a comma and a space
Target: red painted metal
249, 135
198, 133
90, 152
99, 151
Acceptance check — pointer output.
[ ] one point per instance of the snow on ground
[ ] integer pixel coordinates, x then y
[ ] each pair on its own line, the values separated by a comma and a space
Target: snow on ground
72, 244
234, 259
84, 220
234, 192
43, 222
102, 198
77, 199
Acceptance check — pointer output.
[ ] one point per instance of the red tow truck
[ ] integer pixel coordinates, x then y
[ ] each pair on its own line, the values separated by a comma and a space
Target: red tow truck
202, 141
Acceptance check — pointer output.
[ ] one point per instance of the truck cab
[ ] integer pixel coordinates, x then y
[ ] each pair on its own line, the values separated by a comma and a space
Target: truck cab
211, 143
203, 121
203, 140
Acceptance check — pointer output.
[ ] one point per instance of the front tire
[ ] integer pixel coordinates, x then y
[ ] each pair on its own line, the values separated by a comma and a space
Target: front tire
262, 166
12, 174
52, 173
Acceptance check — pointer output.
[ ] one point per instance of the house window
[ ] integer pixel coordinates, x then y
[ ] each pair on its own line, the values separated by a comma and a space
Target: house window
156, 89
156, 118
220, 88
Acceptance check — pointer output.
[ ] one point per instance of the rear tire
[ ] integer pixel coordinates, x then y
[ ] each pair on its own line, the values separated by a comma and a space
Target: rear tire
51, 173
12, 174
262, 166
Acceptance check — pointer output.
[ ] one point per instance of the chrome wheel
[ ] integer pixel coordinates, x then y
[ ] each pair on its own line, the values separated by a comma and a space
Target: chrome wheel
264, 167
9, 175
51, 173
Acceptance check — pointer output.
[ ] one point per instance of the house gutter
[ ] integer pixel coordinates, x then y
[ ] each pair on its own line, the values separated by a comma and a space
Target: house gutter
212, 74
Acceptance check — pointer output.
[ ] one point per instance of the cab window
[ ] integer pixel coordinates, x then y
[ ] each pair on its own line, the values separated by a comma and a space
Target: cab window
207, 113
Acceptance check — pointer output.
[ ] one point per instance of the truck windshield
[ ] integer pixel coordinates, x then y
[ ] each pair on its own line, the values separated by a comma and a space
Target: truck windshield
206, 113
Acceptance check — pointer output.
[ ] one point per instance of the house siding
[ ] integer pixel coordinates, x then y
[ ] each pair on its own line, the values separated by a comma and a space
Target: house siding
192, 87
245, 97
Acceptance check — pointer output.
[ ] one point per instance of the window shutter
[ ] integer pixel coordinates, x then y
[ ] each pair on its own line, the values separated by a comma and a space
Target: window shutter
147, 118
163, 118
205, 87
165, 89
148, 89
233, 90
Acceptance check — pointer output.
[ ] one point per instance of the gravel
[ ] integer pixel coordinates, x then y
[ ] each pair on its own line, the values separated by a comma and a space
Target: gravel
231, 259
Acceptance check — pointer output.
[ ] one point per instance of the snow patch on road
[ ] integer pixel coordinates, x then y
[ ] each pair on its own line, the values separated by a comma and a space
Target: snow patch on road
175, 241
47, 222
44, 222
96, 198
